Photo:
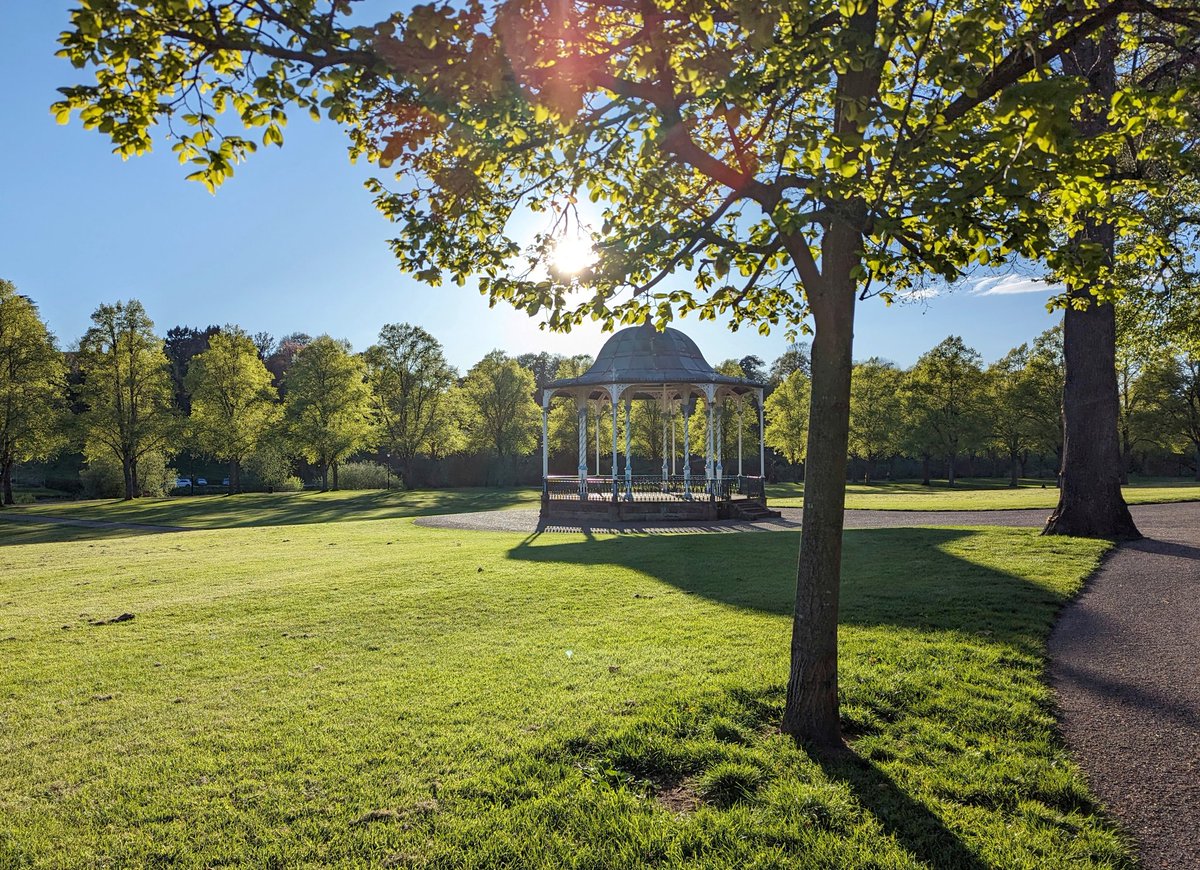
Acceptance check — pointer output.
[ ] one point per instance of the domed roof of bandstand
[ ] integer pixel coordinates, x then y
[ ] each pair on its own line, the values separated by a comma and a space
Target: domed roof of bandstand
642, 355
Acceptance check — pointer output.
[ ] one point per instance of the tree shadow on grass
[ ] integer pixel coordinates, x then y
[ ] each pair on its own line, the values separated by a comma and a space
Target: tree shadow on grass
285, 509
914, 827
899, 577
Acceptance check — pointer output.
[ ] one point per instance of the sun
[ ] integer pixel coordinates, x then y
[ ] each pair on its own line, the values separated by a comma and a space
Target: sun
572, 255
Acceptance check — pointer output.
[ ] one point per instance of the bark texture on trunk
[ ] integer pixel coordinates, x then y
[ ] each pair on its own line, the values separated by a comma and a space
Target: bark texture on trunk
1090, 503
1014, 478
235, 476
6, 470
130, 483
811, 714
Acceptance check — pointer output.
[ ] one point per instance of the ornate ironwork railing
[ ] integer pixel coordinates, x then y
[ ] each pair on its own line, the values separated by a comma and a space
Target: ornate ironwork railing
652, 487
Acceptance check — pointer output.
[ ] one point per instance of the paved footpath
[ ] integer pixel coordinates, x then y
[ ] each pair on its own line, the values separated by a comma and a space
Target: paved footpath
1124, 659
1125, 665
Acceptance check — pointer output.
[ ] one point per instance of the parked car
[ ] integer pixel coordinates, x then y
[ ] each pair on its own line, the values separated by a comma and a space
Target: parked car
200, 481
225, 482
182, 482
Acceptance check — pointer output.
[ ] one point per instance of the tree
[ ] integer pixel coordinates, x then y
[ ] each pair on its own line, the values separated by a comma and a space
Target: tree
410, 380
1045, 376
234, 403
280, 360
795, 359
814, 153
181, 344
328, 407
126, 389
498, 413
1008, 395
875, 409
1173, 383
544, 367
946, 385
32, 386
787, 413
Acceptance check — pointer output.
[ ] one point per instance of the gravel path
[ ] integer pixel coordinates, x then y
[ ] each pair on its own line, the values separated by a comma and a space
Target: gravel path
1125, 664
528, 520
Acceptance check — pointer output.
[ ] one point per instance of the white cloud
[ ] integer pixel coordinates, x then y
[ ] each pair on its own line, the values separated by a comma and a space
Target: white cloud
1008, 285
919, 294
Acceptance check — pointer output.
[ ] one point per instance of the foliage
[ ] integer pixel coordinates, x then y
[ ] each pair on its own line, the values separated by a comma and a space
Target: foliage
181, 344
234, 404
126, 389
944, 399
364, 475
270, 465
410, 381
327, 406
787, 417
32, 386
103, 476
875, 411
498, 415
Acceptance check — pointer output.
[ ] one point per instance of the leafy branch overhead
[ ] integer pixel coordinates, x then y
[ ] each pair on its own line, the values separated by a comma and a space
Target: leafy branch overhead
723, 140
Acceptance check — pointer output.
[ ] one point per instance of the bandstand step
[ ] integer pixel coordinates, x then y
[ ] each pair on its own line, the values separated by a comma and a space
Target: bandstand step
754, 512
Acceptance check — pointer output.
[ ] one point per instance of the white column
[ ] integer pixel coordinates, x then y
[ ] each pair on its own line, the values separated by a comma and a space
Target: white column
581, 416
614, 394
673, 449
740, 405
545, 436
708, 439
687, 452
628, 450
666, 416
598, 406
762, 440
719, 442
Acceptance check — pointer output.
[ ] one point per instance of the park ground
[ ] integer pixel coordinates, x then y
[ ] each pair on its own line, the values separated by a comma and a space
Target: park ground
314, 680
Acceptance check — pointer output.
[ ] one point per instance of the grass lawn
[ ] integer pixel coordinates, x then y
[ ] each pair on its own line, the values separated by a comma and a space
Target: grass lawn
374, 693
262, 509
975, 494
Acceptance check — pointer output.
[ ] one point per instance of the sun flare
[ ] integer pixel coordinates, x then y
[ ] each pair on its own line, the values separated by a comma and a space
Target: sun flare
572, 255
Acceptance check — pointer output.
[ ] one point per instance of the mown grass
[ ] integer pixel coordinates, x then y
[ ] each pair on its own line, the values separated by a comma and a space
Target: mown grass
263, 509
381, 694
975, 494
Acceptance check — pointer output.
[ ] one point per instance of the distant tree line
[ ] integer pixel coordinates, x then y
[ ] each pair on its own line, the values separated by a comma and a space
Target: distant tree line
130, 402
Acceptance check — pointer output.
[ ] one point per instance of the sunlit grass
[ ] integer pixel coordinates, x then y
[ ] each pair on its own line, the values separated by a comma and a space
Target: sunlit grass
975, 494
382, 694
257, 509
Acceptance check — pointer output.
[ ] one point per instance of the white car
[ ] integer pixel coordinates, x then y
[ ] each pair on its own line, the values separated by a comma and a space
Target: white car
182, 482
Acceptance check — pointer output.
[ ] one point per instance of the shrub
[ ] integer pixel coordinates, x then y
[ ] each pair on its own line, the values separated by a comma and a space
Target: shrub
270, 468
363, 475
103, 477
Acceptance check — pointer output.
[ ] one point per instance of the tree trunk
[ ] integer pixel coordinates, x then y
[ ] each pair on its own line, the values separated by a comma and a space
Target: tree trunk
1090, 503
6, 469
1014, 479
1197, 466
130, 483
324, 477
811, 714
335, 476
950, 469
925, 472
235, 476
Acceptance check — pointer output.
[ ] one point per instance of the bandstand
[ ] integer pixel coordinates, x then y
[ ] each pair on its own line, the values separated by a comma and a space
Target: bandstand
640, 363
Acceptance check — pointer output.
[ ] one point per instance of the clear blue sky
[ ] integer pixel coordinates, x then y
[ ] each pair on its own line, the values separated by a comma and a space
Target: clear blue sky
293, 243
